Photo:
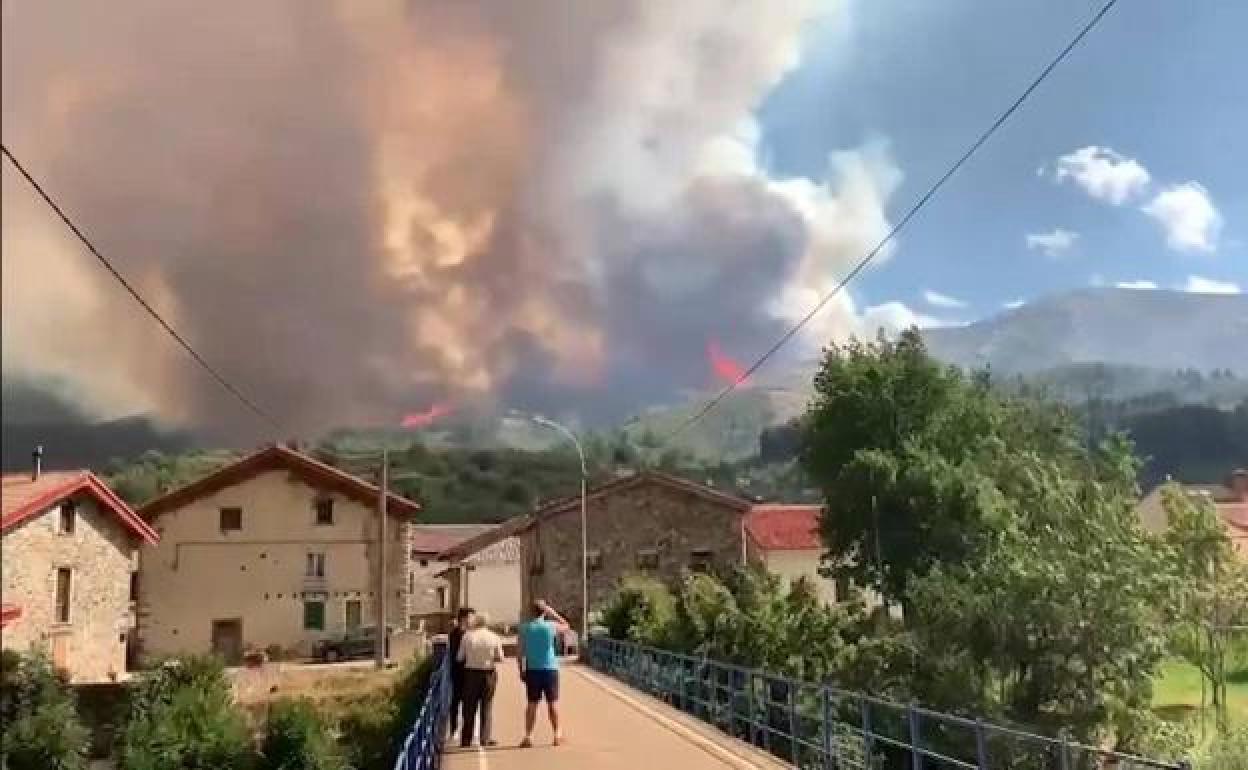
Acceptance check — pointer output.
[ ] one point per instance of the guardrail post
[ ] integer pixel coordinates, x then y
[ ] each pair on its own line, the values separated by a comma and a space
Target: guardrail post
981, 745
1065, 753
796, 744
868, 739
828, 760
916, 738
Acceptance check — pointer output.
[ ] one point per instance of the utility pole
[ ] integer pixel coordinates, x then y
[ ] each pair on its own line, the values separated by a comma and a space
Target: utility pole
379, 648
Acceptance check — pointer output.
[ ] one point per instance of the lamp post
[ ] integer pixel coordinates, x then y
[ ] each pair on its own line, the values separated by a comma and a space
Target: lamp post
580, 452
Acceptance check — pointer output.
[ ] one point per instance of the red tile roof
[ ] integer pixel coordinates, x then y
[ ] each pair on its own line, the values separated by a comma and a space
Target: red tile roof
24, 497
778, 527
434, 539
315, 473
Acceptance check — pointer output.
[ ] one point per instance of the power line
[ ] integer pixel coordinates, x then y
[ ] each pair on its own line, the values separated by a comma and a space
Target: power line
224, 383
901, 223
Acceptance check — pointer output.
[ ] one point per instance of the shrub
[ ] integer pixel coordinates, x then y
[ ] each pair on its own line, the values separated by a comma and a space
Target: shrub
1229, 752
641, 610
42, 730
298, 738
373, 729
182, 715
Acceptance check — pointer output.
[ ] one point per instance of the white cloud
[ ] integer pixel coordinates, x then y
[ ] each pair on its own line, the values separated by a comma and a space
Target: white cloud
1198, 285
1140, 285
1052, 244
936, 299
1103, 173
1191, 221
1015, 305
894, 317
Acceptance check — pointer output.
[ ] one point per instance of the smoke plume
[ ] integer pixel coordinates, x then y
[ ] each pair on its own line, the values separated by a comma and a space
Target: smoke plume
357, 208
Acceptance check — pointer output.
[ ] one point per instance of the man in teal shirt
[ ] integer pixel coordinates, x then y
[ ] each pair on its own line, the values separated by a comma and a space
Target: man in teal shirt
539, 667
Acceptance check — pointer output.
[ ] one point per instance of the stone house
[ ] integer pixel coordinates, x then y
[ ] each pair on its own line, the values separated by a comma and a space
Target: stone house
276, 550
69, 554
648, 523
488, 580
1229, 499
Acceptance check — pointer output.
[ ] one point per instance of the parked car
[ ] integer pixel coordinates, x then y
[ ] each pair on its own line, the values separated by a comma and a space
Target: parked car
356, 644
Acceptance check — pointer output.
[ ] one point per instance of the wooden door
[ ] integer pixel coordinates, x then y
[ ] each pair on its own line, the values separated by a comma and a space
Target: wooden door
227, 640
353, 614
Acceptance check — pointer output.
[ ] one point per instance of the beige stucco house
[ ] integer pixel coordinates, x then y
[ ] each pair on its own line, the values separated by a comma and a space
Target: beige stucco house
276, 550
1229, 500
488, 580
69, 553
785, 539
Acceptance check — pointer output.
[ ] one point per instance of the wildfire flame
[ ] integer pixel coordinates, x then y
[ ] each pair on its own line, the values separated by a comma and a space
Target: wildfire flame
725, 367
426, 418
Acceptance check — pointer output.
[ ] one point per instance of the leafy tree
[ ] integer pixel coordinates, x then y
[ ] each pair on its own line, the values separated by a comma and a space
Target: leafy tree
1212, 586
41, 727
298, 738
182, 715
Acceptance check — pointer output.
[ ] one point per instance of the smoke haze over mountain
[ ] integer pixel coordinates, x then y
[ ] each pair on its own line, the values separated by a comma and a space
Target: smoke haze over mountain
358, 209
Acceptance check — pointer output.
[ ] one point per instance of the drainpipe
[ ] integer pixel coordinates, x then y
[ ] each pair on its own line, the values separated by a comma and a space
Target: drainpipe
37, 464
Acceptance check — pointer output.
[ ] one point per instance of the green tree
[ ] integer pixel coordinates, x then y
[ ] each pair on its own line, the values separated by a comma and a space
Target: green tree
1212, 590
298, 738
182, 715
41, 727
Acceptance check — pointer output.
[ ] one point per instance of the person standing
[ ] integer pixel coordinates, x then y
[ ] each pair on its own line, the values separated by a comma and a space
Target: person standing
480, 651
539, 667
463, 621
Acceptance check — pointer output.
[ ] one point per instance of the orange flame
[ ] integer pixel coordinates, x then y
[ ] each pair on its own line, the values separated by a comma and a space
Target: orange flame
427, 417
725, 367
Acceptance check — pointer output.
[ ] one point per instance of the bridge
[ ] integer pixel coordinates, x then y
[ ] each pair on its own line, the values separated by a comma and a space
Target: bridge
630, 706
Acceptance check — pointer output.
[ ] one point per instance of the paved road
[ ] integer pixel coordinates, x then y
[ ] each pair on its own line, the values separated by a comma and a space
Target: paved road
607, 726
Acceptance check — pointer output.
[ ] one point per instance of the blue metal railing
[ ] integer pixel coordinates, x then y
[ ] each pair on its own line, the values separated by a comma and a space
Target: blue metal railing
422, 749
819, 726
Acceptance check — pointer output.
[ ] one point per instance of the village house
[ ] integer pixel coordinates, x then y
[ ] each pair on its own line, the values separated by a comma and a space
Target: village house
488, 580
69, 554
276, 551
1230, 501
785, 539
648, 523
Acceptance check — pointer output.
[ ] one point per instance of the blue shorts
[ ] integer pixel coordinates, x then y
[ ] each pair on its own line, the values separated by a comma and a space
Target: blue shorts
542, 683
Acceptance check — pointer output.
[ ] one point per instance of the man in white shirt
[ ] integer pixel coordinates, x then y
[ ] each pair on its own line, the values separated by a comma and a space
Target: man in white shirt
480, 651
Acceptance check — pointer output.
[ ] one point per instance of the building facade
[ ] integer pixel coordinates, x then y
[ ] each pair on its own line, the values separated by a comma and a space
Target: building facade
1229, 500
277, 551
785, 539
69, 554
645, 524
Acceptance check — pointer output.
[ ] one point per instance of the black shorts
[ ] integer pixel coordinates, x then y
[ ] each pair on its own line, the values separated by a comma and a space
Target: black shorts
542, 683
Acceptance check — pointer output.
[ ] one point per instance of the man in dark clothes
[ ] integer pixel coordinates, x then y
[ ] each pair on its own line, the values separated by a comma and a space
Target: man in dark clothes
463, 622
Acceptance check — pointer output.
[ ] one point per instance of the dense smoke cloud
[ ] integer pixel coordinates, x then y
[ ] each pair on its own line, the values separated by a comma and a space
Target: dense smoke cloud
359, 209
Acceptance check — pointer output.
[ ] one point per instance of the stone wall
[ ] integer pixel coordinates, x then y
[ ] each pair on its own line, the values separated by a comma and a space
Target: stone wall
626, 526
100, 553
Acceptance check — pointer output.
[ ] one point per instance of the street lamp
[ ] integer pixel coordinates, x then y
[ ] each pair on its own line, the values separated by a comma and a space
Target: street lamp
580, 452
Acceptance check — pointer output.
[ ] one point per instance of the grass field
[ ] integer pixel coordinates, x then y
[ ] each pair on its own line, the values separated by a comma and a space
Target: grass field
1176, 694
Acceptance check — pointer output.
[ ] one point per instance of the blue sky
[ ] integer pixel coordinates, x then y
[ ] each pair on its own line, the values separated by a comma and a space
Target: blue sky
1158, 82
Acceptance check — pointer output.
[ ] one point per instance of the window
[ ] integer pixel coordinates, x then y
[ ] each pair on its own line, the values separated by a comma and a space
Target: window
441, 597
69, 515
700, 560
134, 586
411, 582
314, 616
64, 585
648, 558
324, 511
594, 559
353, 614
315, 565
231, 519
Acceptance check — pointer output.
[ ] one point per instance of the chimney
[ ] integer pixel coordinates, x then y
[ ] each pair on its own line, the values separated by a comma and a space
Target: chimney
37, 463
1239, 484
